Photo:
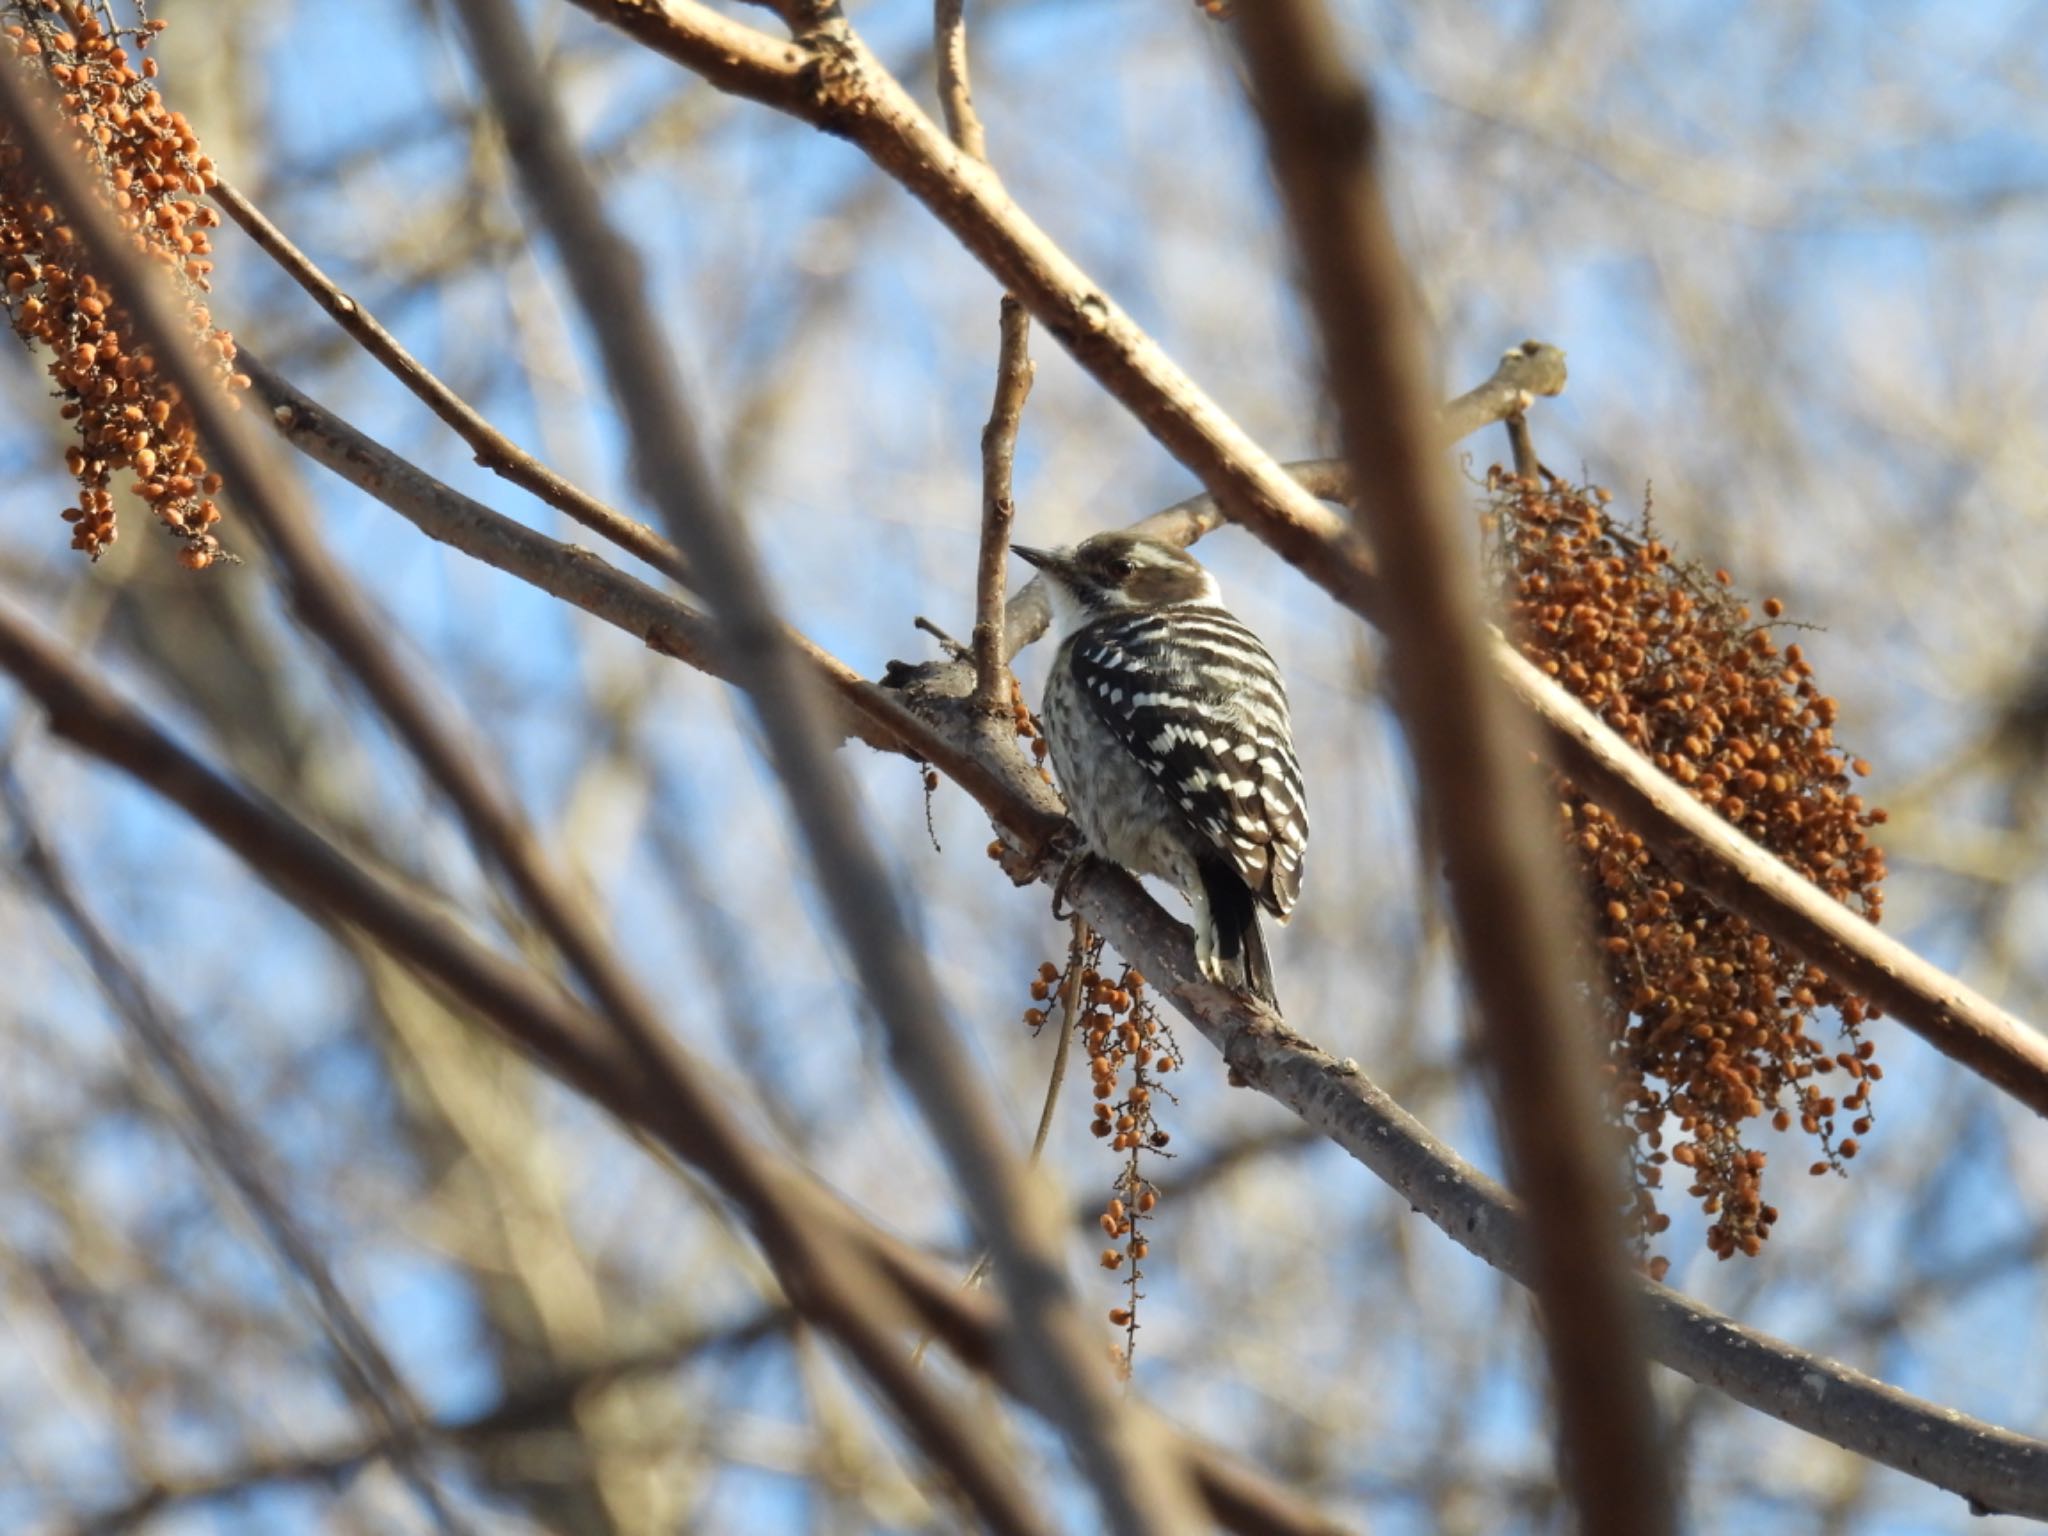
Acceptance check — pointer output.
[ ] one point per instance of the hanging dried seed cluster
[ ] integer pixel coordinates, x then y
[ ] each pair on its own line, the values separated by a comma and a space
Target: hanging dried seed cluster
1713, 1024
128, 419
1118, 1025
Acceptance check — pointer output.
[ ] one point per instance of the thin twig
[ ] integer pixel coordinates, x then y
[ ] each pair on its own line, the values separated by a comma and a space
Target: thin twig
1030, 611
516, 1413
1070, 1021
956, 93
1014, 372
494, 451
1508, 892
1522, 447
1070, 1013
1140, 1493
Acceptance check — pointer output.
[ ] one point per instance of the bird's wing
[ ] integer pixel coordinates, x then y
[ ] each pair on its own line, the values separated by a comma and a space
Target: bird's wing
1196, 699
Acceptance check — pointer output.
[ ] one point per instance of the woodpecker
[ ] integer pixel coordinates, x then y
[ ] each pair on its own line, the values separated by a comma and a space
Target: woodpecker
1168, 728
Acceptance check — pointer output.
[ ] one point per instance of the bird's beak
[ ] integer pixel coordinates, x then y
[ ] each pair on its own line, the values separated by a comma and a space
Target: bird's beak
1044, 559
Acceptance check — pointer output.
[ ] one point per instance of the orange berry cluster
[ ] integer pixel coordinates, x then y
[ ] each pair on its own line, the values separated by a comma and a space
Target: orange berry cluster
128, 418
1712, 1022
1027, 728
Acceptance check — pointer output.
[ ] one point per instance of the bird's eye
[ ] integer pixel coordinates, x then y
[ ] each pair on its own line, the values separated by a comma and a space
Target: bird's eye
1119, 568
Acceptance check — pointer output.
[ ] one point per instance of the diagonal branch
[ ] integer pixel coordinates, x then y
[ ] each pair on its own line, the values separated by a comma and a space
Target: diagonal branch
1705, 851
1993, 1468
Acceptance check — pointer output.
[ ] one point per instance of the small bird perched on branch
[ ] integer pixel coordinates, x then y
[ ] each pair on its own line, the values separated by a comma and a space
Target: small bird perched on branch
1168, 728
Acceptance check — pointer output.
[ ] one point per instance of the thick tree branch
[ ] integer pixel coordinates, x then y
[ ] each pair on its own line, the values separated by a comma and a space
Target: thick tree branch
1993, 1468
1705, 851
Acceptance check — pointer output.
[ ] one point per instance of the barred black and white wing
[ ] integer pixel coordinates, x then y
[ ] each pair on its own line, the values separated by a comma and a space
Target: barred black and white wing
1196, 699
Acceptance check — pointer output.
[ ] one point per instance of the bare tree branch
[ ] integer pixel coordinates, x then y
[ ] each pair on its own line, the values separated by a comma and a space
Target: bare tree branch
1993, 1468
1534, 368
956, 91
1014, 371
1703, 850
537, 1404
834, 82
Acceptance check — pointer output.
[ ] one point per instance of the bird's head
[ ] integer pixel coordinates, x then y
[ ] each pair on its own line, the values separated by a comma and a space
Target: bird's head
1116, 572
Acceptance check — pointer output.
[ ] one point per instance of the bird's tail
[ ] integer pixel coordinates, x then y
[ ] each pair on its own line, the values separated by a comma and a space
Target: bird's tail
1238, 939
